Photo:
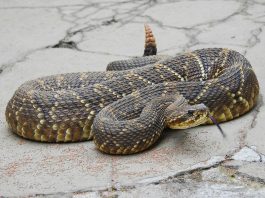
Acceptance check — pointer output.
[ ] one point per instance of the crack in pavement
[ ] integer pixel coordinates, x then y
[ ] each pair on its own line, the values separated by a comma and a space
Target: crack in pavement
243, 132
8, 66
65, 44
192, 32
238, 167
121, 17
254, 38
154, 181
115, 188
256, 111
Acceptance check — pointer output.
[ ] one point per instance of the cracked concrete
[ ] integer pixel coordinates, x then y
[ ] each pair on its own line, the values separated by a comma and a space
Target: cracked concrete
69, 36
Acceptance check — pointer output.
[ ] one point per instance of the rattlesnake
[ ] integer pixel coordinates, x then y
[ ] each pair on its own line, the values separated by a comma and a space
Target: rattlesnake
139, 97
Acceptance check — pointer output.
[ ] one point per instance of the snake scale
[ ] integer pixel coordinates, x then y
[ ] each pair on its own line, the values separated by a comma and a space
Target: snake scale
126, 108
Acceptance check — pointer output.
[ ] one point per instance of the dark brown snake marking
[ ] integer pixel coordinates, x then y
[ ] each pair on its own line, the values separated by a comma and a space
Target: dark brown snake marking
62, 108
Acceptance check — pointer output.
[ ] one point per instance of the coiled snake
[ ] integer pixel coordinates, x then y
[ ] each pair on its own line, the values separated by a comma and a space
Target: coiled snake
126, 108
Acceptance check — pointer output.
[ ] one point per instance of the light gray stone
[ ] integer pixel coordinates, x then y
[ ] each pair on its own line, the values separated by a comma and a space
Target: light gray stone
209, 183
247, 154
254, 171
223, 191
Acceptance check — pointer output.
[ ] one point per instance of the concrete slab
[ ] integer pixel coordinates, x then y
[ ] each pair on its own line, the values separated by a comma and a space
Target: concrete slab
111, 30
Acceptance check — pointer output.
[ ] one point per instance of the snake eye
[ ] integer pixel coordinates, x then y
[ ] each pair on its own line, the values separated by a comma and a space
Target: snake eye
191, 111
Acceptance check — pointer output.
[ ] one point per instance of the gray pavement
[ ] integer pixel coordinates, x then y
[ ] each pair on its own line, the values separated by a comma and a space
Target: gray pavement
195, 162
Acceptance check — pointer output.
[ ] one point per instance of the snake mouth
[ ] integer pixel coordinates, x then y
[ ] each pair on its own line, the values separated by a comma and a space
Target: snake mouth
188, 121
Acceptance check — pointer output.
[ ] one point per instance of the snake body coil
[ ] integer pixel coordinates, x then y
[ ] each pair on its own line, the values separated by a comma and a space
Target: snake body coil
62, 108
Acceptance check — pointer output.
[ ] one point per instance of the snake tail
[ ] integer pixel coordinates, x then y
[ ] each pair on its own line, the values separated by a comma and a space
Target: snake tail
150, 42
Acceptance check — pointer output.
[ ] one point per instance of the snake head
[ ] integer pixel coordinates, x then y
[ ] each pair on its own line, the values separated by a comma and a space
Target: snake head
186, 116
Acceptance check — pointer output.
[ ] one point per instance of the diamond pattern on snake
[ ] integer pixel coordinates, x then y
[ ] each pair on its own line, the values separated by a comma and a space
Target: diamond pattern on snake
126, 108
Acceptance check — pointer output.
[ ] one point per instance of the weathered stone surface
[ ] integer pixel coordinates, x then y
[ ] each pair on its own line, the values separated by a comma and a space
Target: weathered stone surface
254, 171
248, 171
215, 182
99, 32
247, 154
